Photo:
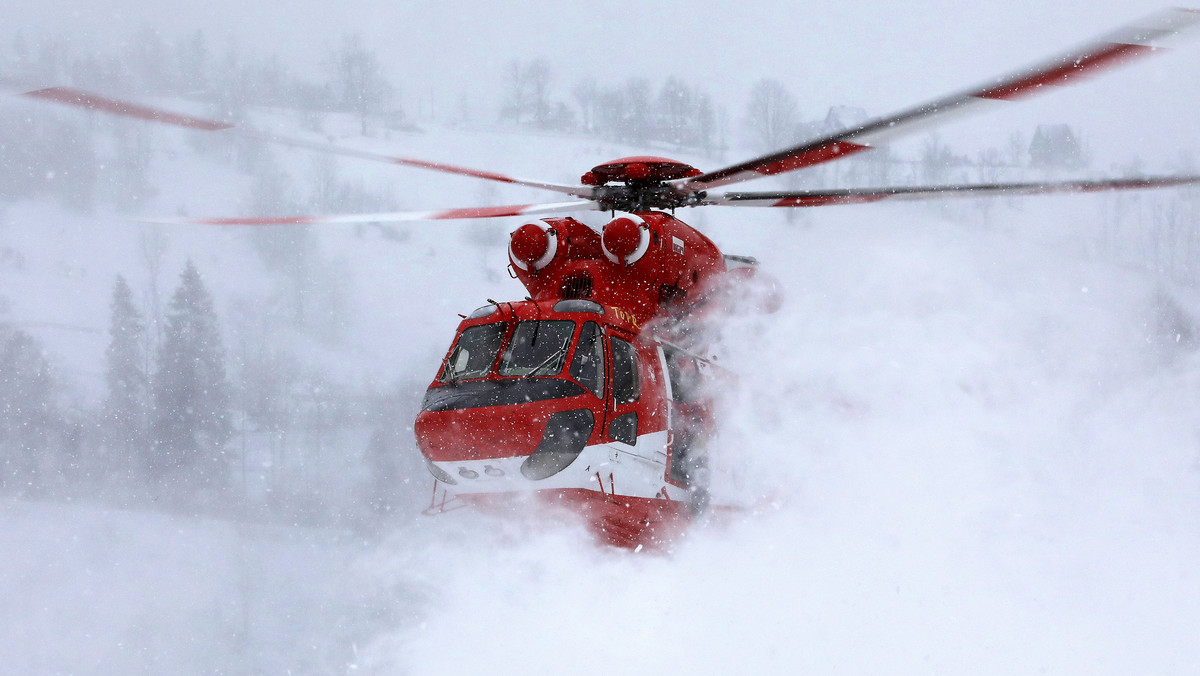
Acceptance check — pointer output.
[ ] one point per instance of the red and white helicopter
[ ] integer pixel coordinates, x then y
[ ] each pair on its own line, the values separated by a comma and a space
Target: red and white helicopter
595, 391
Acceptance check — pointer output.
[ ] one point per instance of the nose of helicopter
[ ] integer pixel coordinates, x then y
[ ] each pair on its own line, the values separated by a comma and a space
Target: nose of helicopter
478, 433
519, 441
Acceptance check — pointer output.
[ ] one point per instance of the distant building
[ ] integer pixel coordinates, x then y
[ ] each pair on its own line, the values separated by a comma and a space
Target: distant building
857, 170
839, 118
1055, 146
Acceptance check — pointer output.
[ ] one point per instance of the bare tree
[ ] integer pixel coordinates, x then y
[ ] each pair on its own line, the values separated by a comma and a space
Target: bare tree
358, 80
771, 115
636, 116
538, 74
936, 159
520, 93
676, 108
587, 94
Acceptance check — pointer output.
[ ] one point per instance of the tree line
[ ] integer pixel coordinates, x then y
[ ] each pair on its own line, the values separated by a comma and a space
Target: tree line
636, 111
176, 421
164, 422
229, 76
176, 430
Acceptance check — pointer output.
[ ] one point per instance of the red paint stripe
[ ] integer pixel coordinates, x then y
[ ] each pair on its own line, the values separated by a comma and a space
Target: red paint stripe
436, 166
1112, 55
481, 212
75, 97
810, 158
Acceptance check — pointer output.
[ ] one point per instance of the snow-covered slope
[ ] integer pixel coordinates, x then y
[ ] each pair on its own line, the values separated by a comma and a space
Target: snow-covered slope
970, 444
970, 451
98, 591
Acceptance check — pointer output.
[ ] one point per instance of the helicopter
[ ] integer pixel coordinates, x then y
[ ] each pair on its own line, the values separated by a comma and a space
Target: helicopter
597, 390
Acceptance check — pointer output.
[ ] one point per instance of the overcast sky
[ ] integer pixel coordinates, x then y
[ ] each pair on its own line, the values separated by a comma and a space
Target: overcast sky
881, 56
973, 451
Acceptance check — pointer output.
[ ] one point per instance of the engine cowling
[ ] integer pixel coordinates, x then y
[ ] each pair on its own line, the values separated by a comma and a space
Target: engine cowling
533, 245
626, 239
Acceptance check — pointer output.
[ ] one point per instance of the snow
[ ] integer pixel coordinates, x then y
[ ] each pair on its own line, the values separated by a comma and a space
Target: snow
92, 590
966, 448
966, 451
968, 442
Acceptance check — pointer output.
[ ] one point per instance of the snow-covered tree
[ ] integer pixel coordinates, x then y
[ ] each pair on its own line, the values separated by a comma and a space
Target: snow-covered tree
771, 115
127, 176
127, 402
192, 57
539, 76
586, 93
676, 111
29, 419
382, 458
147, 57
519, 97
191, 394
707, 126
358, 80
937, 160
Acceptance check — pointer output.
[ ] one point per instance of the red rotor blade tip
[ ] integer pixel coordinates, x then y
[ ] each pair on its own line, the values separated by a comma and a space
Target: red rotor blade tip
82, 99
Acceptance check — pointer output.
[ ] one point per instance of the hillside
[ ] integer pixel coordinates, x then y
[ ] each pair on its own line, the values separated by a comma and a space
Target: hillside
970, 441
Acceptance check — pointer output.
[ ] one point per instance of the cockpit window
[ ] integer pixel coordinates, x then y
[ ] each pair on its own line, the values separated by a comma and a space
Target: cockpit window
588, 366
626, 386
475, 352
537, 348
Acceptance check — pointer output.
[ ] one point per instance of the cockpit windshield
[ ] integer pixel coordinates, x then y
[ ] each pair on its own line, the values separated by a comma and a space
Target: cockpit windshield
475, 352
537, 348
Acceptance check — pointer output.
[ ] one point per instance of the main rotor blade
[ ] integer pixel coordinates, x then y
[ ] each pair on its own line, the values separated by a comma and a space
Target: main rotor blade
385, 217
1127, 43
820, 198
97, 102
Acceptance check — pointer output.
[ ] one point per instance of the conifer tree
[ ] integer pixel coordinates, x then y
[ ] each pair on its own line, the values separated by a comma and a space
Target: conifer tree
125, 408
28, 412
191, 393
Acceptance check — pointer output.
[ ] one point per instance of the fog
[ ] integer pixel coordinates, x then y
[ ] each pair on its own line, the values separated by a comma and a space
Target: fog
967, 442
869, 54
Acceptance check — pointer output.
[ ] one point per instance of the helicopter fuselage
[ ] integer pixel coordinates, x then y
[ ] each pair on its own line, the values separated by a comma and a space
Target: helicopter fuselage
590, 392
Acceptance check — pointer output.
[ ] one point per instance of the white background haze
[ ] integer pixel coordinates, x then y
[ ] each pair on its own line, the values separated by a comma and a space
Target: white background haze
970, 438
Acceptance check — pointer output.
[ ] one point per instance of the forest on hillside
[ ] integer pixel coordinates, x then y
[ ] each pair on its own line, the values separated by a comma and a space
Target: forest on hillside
193, 420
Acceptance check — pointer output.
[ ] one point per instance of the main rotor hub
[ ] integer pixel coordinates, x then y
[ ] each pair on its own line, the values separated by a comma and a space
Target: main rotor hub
643, 184
640, 168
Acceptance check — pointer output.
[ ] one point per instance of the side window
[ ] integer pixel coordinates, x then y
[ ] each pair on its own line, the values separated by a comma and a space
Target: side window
626, 387
624, 428
686, 380
588, 365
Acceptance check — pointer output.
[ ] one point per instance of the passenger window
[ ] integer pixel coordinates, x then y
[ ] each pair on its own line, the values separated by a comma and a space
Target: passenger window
625, 372
588, 366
